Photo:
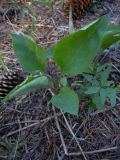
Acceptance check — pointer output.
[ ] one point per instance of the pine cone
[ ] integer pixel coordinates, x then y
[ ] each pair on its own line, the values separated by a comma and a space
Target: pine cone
78, 7
8, 81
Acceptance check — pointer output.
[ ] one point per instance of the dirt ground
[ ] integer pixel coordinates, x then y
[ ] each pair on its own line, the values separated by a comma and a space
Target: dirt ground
36, 131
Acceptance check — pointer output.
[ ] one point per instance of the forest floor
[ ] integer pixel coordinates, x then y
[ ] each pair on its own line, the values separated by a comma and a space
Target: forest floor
30, 129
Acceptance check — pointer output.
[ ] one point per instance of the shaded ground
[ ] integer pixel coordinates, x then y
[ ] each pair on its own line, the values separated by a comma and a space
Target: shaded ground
47, 133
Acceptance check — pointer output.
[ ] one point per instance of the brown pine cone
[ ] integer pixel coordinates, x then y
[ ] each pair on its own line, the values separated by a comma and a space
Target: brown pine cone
78, 7
8, 81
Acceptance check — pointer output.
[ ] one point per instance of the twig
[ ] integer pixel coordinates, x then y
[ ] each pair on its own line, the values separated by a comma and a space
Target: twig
74, 136
95, 151
22, 129
81, 126
58, 127
60, 132
43, 121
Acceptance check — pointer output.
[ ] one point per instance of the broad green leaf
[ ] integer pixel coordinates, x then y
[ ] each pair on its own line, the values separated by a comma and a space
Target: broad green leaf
111, 37
31, 56
111, 94
75, 53
30, 84
67, 100
114, 29
92, 90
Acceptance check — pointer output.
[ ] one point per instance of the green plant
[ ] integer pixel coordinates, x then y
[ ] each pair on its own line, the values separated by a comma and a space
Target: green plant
95, 6
74, 55
97, 86
9, 149
48, 2
21, 8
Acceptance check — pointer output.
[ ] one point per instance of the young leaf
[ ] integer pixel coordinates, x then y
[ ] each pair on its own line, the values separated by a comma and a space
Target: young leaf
104, 75
63, 82
88, 77
103, 95
91, 79
92, 90
100, 68
67, 100
30, 84
96, 100
75, 53
31, 56
91, 107
111, 94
